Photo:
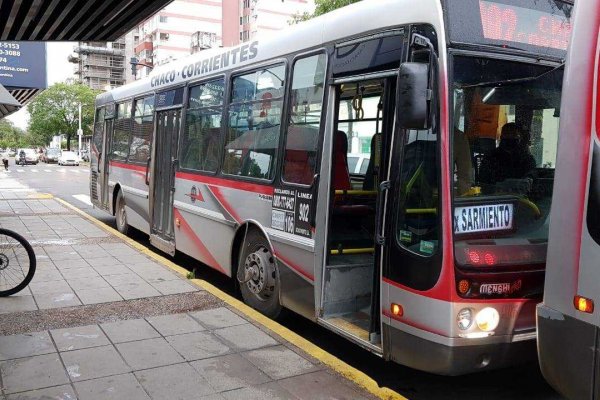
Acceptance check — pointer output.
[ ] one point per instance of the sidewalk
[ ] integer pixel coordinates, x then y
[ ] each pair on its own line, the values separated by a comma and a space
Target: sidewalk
103, 320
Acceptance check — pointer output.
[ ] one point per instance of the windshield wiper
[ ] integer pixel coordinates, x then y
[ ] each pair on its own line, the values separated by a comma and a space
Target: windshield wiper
515, 80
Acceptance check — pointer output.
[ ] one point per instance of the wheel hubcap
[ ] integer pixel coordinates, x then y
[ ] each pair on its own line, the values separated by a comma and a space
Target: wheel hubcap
259, 268
3, 262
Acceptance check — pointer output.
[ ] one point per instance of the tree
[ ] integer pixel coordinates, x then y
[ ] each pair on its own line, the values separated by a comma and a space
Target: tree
55, 111
10, 135
322, 7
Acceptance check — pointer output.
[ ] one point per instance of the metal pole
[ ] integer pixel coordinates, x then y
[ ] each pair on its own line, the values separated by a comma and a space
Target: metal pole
79, 132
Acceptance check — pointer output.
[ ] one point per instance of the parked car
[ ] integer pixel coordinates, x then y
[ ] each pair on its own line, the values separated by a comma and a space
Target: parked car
51, 155
68, 158
358, 163
31, 156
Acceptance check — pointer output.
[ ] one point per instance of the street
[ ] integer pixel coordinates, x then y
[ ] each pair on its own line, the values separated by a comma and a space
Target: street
522, 382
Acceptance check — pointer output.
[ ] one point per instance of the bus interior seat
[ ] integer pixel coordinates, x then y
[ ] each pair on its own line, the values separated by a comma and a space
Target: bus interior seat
373, 167
297, 167
341, 176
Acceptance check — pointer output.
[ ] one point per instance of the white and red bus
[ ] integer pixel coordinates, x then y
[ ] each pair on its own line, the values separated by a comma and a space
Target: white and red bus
432, 256
568, 321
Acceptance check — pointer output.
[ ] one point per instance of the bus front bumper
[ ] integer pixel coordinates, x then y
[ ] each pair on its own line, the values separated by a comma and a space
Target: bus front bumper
436, 358
567, 349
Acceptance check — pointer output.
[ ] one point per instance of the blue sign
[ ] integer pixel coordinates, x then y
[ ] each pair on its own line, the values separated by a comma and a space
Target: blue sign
23, 65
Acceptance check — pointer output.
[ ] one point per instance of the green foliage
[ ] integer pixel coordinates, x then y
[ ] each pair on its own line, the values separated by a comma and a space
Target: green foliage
322, 7
11, 136
55, 111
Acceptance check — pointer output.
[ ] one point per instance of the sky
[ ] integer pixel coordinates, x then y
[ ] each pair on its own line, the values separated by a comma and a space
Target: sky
58, 69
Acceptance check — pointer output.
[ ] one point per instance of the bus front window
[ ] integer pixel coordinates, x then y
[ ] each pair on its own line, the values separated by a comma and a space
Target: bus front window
505, 136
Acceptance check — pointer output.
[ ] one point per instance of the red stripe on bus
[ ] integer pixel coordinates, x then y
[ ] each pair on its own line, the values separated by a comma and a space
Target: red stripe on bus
132, 167
456, 300
408, 322
188, 231
211, 180
598, 90
216, 191
295, 268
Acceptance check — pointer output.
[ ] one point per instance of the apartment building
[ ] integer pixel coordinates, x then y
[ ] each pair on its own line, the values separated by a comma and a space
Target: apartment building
185, 27
100, 65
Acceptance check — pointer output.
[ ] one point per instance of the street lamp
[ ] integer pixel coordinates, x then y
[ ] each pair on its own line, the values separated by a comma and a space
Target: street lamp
79, 132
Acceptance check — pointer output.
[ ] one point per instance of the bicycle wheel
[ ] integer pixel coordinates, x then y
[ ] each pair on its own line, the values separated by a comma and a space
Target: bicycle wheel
17, 262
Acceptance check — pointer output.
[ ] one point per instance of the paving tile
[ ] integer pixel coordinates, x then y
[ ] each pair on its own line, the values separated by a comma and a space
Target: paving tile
101, 295
102, 261
136, 291
245, 337
123, 279
63, 392
271, 391
25, 345
71, 264
179, 381
118, 387
279, 362
79, 273
60, 286
198, 345
31, 373
118, 269
56, 300
79, 337
175, 324
320, 385
229, 372
148, 353
174, 287
17, 304
217, 318
92, 363
46, 275
129, 330
92, 282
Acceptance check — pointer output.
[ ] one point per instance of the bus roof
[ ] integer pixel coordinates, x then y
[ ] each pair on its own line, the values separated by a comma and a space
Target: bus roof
347, 22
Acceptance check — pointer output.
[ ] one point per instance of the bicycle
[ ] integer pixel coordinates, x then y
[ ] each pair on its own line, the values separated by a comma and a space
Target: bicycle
17, 262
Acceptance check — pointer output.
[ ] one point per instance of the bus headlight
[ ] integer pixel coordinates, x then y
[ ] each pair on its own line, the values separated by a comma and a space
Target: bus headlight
487, 319
464, 319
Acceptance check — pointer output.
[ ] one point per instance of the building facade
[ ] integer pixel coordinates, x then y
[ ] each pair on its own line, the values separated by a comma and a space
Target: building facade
100, 65
185, 27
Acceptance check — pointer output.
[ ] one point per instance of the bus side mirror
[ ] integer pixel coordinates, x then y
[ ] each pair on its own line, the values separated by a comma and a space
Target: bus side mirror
413, 96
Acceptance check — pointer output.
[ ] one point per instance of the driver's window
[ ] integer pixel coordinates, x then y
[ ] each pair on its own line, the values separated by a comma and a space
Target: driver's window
418, 222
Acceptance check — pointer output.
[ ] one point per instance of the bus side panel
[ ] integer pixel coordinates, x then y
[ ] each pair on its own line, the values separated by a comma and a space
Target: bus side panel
132, 181
569, 348
296, 271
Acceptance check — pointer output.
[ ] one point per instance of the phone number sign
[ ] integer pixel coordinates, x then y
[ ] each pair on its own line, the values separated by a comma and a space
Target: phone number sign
291, 211
23, 65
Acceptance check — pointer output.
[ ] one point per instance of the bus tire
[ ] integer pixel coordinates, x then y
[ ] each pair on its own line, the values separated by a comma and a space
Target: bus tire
121, 214
258, 275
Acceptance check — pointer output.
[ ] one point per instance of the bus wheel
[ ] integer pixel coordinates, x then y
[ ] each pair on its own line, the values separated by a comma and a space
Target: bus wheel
258, 275
121, 215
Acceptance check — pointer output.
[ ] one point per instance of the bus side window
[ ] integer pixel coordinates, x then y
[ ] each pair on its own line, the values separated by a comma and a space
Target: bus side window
418, 222
202, 134
143, 125
254, 123
119, 145
97, 137
302, 134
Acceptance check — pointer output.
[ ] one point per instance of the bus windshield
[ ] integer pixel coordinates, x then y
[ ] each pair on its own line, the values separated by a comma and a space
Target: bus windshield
505, 134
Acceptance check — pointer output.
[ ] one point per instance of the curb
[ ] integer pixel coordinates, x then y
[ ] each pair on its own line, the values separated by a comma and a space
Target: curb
347, 371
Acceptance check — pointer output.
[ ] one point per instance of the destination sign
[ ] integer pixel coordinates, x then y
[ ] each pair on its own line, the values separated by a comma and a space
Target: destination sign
483, 218
521, 25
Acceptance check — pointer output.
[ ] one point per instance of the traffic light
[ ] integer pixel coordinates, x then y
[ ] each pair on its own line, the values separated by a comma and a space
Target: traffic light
134, 64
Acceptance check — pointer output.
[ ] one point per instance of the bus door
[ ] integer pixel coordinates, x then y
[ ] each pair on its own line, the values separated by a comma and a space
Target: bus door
98, 156
164, 163
361, 132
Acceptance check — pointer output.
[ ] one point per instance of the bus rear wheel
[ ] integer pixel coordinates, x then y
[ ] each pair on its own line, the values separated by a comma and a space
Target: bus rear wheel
121, 214
258, 275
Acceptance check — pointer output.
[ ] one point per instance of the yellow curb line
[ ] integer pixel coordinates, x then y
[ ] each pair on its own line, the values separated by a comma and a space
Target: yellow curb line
349, 372
40, 196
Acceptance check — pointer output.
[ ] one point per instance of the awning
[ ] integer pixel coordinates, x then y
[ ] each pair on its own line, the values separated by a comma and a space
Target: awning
8, 104
73, 20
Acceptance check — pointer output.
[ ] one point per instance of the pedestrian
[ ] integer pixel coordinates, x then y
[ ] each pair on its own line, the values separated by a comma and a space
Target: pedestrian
5, 161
